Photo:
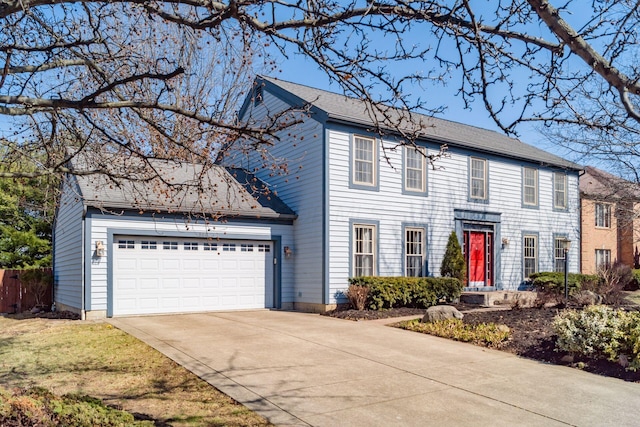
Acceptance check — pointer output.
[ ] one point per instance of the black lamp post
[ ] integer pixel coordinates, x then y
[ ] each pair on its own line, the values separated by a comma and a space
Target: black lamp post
566, 245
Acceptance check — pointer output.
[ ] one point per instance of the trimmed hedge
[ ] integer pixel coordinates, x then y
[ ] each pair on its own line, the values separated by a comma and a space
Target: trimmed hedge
421, 292
554, 282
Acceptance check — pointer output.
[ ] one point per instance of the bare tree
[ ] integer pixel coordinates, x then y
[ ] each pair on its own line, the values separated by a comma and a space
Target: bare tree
126, 75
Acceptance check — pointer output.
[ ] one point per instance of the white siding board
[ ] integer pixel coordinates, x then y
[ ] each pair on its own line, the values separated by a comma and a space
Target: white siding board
299, 185
67, 250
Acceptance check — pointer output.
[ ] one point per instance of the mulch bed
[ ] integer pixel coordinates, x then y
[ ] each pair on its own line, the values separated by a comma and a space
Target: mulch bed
531, 335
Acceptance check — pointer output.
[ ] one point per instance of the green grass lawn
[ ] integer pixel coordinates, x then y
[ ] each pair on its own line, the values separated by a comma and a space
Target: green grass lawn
98, 360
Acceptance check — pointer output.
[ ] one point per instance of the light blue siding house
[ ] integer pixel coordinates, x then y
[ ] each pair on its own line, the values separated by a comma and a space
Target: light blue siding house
368, 206
339, 201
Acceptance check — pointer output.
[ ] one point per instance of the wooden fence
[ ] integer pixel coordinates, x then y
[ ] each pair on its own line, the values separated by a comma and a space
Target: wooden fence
14, 296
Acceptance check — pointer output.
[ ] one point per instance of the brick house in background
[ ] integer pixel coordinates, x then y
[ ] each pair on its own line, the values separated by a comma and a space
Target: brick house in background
610, 220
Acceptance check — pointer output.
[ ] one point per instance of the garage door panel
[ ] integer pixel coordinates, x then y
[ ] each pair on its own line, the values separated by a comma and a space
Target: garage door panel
171, 283
147, 264
187, 275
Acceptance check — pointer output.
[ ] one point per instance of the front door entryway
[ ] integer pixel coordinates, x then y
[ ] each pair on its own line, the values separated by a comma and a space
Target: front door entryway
478, 251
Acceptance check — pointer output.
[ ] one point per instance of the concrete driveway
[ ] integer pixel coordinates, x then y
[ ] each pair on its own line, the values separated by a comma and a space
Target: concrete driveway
306, 369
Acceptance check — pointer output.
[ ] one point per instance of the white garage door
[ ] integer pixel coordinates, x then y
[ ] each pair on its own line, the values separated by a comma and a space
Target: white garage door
169, 275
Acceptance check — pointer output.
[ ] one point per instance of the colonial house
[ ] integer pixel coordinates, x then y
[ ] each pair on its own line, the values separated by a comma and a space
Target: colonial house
336, 199
369, 206
610, 220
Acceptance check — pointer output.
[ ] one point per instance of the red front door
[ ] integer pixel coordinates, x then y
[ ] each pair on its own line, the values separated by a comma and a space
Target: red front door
477, 259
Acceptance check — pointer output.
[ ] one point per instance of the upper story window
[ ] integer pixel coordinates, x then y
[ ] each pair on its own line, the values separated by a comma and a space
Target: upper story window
603, 215
415, 251
530, 186
364, 254
364, 158
478, 178
559, 190
415, 176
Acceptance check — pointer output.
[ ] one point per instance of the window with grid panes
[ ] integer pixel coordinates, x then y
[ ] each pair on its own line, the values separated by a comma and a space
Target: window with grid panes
530, 255
414, 250
478, 179
364, 256
530, 186
414, 169
364, 158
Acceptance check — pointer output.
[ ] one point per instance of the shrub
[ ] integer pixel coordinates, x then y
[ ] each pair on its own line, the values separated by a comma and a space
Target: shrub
634, 285
613, 279
453, 264
595, 331
422, 292
487, 334
553, 282
38, 406
601, 332
357, 296
38, 282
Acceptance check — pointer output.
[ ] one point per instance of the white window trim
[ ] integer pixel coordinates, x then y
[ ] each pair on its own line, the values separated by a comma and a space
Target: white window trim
421, 152
374, 157
524, 253
599, 254
563, 177
422, 253
374, 244
606, 214
485, 179
525, 186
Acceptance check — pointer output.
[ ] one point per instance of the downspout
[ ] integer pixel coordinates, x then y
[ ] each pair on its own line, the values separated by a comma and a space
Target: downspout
83, 314
580, 173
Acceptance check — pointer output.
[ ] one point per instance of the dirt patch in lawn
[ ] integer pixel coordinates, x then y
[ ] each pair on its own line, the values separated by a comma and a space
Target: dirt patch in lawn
531, 335
96, 359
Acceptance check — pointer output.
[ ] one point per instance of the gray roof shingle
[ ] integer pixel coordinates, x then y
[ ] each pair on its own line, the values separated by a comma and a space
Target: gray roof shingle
345, 109
184, 188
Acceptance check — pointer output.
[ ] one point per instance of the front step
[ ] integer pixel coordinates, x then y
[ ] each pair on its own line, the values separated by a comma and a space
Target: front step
493, 298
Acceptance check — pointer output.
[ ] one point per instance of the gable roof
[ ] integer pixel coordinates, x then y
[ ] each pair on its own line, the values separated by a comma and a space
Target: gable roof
334, 107
181, 187
598, 184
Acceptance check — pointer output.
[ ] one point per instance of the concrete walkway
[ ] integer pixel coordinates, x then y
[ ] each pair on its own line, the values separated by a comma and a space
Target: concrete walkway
306, 369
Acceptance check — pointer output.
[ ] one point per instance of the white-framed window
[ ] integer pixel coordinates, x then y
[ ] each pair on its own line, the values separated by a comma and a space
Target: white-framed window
603, 215
603, 258
126, 244
559, 190
478, 179
170, 246
364, 158
190, 246
364, 254
530, 254
415, 176
530, 186
414, 238
558, 254
148, 244
209, 246
228, 247
246, 247
264, 248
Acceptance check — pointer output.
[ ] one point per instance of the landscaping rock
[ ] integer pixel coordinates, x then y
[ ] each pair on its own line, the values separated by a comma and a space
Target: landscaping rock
587, 298
441, 312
